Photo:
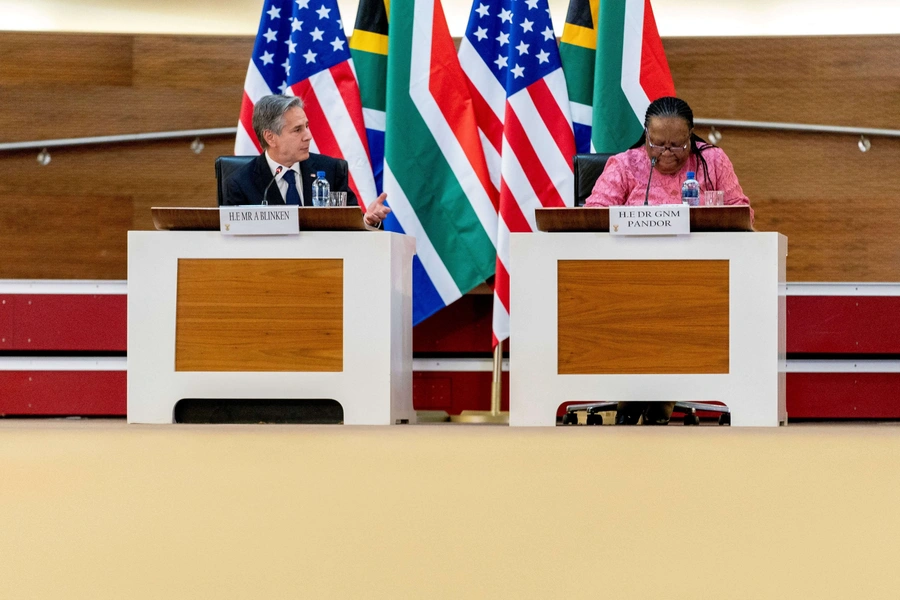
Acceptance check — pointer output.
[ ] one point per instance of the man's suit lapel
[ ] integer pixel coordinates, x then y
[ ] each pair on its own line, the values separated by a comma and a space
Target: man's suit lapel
263, 177
307, 174
308, 170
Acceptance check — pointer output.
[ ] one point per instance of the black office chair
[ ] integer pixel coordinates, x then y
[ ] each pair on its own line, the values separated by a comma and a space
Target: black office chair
588, 168
225, 166
688, 409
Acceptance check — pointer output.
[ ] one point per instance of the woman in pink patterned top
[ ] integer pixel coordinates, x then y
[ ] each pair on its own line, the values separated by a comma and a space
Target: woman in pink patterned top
670, 146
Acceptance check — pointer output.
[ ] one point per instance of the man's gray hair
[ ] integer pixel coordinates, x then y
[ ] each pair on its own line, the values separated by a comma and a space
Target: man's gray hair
268, 114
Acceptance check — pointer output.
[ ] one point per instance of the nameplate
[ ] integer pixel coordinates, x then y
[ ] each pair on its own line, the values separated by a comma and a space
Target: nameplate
664, 219
259, 220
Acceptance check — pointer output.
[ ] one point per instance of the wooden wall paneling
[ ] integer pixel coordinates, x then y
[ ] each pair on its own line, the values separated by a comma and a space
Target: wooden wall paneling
172, 109
42, 113
119, 84
202, 63
839, 207
37, 113
653, 316
808, 167
853, 239
260, 315
64, 61
831, 80
72, 216
55, 85
165, 167
58, 236
201, 79
119, 169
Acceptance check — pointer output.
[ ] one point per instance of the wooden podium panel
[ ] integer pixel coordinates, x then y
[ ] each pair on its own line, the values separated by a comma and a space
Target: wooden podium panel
640, 317
259, 315
678, 318
271, 317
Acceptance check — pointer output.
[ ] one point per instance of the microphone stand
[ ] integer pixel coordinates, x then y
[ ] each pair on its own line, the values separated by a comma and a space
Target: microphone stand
265, 202
649, 179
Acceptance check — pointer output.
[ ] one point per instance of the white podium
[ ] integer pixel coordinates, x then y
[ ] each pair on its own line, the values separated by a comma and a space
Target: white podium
699, 317
319, 315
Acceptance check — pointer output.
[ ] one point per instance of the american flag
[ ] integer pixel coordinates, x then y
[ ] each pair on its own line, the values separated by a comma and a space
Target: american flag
511, 59
301, 50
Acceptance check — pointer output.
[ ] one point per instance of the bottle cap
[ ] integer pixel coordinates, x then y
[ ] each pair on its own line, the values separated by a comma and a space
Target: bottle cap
320, 174
690, 174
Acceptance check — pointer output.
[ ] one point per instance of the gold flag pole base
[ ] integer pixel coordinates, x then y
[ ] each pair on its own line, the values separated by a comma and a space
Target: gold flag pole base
481, 416
495, 415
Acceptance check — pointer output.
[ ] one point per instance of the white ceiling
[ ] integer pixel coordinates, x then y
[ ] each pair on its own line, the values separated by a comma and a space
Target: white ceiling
241, 17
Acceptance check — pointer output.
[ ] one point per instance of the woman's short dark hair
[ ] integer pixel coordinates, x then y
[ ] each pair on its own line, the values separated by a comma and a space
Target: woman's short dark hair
670, 106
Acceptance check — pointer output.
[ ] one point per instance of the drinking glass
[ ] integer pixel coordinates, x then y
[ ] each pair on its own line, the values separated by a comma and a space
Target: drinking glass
713, 198
337, 199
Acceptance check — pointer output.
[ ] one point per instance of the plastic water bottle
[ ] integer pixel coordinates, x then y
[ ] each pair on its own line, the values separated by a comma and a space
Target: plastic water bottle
321, 190
690, 190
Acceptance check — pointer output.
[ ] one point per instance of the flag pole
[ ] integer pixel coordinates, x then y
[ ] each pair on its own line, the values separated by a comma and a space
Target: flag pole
497, 389
495, 415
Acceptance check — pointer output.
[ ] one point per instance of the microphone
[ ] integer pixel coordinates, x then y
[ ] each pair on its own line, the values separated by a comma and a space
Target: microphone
649, 179
266, 191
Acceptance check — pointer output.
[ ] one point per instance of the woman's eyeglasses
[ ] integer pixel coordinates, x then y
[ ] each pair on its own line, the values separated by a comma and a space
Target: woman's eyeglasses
677, 150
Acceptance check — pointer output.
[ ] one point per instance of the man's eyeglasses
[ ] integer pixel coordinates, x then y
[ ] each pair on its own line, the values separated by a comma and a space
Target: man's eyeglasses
677, 150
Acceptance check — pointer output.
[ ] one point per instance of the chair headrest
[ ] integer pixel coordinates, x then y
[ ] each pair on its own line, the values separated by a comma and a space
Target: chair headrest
587, 167
225, 166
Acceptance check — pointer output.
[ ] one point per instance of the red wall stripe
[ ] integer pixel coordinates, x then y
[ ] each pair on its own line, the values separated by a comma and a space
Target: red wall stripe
99, 393
843, 395
455, 392
843, 324
6, 321
63, 322
98, 323
63, 393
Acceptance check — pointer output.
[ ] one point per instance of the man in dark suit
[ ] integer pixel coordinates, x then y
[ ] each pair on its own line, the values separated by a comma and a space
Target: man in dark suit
282, 128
